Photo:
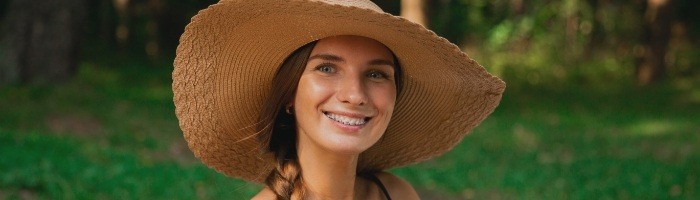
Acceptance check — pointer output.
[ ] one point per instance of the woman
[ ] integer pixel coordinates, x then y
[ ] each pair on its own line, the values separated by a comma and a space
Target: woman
316, 98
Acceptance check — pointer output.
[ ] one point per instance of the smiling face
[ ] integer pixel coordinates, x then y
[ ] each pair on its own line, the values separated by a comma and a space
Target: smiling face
346, 94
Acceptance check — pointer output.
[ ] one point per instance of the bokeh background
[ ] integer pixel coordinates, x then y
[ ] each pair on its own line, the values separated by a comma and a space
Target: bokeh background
602, 101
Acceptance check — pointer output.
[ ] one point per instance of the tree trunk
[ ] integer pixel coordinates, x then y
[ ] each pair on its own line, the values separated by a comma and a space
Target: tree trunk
39, 40
659, 18
597, 34
414, 10
517, 8
123, 23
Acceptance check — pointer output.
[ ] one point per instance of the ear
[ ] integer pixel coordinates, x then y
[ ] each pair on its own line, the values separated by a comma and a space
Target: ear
289, 108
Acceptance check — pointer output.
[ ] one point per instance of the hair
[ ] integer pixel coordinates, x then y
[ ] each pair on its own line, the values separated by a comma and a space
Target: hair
280, 134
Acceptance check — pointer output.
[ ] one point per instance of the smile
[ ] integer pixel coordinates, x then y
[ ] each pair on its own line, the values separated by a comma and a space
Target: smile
352, 121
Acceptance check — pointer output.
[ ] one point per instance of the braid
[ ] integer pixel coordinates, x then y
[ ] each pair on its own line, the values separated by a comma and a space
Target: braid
285, 179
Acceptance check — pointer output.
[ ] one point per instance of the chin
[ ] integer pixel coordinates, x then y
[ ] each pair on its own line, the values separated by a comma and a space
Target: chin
343, 144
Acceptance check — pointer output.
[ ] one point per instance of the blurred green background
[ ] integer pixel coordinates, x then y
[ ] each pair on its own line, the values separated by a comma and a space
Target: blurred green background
602, 101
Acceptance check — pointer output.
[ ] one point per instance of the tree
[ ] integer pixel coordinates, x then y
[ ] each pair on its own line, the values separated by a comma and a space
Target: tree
659, 17
414, 10
39, 40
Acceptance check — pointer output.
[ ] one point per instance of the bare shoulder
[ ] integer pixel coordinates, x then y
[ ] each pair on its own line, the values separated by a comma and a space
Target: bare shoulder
264, 194
397, 187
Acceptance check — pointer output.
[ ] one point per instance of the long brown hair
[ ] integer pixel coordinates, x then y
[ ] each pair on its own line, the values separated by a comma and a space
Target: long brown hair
280, 134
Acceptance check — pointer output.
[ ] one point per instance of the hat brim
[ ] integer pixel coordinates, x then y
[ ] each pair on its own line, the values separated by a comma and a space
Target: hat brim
230, 52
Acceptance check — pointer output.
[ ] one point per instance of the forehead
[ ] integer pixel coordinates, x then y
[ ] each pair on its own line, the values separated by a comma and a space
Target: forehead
352, 47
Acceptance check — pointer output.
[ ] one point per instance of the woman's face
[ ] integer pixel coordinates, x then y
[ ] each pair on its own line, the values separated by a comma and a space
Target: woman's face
346, 94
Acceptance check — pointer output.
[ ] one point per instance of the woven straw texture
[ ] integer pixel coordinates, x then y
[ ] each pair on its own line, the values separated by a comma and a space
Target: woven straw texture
230, 52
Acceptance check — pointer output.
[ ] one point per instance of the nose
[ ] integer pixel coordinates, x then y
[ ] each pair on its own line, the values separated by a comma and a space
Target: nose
351, 91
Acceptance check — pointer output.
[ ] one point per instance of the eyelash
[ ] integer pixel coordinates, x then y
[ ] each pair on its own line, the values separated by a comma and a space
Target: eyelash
381, 73
330, 66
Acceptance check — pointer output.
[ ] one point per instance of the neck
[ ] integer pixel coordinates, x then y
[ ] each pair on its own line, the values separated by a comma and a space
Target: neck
327, 175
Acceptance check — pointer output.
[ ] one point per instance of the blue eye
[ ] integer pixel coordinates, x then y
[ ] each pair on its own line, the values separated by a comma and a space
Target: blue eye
377, 75
325, 68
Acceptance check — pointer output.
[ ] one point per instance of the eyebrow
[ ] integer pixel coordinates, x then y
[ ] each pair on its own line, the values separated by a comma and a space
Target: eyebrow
331, 57
328, 57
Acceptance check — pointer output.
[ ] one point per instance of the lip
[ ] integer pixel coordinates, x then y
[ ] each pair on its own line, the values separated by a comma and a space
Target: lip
345, 127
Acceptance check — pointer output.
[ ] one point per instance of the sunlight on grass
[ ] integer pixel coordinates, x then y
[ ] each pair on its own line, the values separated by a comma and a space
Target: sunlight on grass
656, 127
695, 96
691, 86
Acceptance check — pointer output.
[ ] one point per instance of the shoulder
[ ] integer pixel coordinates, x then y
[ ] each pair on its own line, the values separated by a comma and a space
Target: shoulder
264, 194
397, 187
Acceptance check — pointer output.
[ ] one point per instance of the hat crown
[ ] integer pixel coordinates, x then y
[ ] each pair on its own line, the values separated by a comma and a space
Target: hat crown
366, 4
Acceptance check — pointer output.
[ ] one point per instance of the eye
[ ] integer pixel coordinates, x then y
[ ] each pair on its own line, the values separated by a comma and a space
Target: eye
325, 68
377, 75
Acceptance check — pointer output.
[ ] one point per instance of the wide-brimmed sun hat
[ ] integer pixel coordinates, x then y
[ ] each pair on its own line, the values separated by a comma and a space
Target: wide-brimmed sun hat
230, 52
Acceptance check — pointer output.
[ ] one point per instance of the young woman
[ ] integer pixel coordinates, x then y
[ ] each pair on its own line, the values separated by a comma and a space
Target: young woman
316, 98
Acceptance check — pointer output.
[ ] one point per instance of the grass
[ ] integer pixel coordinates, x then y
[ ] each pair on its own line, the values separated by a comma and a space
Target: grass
111, 134
575, 144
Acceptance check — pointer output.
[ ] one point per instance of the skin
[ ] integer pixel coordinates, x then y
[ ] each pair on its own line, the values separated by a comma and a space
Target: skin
350, 77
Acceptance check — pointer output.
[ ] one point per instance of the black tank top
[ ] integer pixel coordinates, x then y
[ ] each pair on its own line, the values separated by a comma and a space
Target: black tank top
376, 180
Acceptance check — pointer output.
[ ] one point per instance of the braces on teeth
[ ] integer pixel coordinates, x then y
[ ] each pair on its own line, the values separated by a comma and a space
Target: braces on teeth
346, 120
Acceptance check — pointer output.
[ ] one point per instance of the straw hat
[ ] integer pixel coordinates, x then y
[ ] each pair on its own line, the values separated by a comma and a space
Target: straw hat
230, 52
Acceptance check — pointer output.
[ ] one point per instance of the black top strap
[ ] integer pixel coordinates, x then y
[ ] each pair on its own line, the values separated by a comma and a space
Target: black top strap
376, 180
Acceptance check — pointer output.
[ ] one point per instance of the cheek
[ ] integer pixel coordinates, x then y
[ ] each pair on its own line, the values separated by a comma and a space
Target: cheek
311, 92
384, 98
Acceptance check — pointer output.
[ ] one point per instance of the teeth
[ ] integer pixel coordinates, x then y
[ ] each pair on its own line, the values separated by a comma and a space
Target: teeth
346, 120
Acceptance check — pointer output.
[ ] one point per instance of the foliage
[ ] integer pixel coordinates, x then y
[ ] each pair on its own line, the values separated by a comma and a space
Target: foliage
572, 41
534, 42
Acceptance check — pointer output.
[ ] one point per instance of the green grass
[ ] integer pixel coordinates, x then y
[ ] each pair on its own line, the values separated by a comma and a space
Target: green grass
576, 144
111, 133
